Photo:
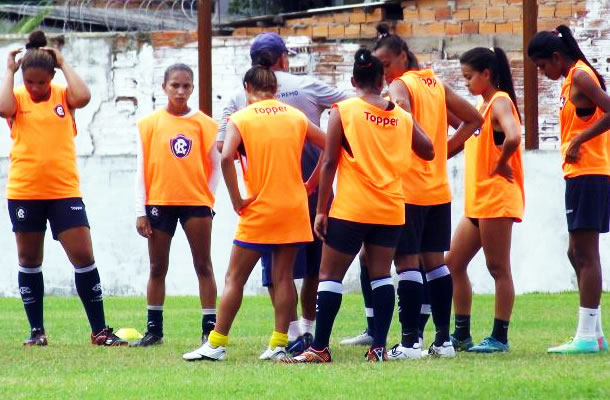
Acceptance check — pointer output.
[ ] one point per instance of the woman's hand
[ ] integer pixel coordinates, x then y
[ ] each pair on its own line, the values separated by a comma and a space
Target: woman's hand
505, 171
143, 227
12, 64
241, 204
573, 152
59, 59
319, 226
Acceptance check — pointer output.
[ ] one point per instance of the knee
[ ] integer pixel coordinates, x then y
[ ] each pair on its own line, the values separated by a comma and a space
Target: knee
204, 269
583, 259
30, 260
158, 270
498, 271
82, 258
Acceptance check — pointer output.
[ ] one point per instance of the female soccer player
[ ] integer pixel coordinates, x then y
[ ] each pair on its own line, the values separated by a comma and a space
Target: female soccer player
270, 135
178, 170
369, 142
494, 197
427, 232
43, 182
585, 119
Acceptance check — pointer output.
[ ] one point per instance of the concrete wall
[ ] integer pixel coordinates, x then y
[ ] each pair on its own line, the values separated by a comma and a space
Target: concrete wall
125, 74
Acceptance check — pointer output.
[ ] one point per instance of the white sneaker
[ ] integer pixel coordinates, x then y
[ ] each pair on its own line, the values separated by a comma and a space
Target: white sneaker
206, 352
424, 352
279, 353
444, 351
364, 339
400, 352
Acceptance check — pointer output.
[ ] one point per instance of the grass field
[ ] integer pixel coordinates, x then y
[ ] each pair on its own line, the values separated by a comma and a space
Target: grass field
70, 368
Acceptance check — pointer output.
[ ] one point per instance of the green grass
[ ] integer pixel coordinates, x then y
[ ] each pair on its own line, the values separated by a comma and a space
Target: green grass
71, 368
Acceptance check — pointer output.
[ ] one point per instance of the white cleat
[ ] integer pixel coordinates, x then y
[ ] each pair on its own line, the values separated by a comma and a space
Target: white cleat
444, 351
364, 339
206, 352
424, 352
400, 352
279, 353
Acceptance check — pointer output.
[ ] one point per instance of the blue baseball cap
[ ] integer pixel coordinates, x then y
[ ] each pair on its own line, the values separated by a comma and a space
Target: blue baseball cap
271, 42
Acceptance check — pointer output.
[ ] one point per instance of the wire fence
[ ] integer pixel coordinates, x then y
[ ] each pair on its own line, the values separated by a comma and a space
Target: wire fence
114, 15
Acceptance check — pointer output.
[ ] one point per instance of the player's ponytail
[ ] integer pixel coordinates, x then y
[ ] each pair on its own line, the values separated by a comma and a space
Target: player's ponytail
368, 70
560, 40
494, 60
395, 44
260, 78
35, 57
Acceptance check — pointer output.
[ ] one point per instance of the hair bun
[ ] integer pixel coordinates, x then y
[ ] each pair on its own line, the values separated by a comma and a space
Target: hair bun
265, 59
36, 40
363, 57
383, 30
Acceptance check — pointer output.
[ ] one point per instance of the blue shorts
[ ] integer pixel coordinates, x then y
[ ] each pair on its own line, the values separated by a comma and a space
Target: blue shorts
266, 251
587, 203
165, 218
427, 230
62, 214
348, 237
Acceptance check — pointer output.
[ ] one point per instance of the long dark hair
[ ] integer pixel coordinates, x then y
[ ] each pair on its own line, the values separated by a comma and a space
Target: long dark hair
368, 70
495, 60
395, 44
561, 41
35, 57
260, 77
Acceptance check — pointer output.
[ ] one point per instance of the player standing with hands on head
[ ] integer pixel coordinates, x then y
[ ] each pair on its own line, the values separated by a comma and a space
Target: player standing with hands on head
494, 196
585, 120
270, 135
177, 174
43, 182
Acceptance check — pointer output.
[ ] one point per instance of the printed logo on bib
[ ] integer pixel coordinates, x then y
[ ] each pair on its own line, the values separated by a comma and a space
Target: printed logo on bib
477, 132
21, 213
380, 121
181, 146
60, 111
430, 82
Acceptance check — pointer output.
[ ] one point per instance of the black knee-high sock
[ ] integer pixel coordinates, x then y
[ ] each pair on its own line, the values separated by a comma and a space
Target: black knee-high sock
89, 289
367, 294
155, 320
410, 295
31, 288
208, 320
383, 304
425, 311
462, 327
500, 330
330, 294
441, 295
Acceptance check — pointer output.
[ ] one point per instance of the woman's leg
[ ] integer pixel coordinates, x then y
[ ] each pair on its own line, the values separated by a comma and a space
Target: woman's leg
199, 234
158, 252
30, 247
379, 263
496, 237
465, 244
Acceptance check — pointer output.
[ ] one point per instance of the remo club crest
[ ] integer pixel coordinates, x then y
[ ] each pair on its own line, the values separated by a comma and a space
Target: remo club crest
60, 111
180, 146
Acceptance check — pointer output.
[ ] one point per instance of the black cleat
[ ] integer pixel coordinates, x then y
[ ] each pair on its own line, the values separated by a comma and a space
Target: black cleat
106, 338
37, 338
300, 344
149, 339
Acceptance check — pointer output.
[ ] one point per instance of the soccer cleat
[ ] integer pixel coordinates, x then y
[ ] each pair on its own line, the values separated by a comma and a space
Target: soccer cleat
603, 343
576, 346
149, 339
311, 356
206, 352
37, 338
445, 351
489, 345
400, 352
106, 338
378, 354
299, 345
364, 339
279, 353
461, 344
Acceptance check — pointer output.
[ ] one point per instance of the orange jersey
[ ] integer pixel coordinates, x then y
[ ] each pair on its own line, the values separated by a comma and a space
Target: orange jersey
273, 135
175, 154
594, 157
369, 184
426, 182
43, 156
489, 196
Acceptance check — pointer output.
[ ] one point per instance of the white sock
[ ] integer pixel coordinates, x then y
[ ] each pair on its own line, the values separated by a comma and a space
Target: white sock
294, 330
599, 330
306, 326
587, 319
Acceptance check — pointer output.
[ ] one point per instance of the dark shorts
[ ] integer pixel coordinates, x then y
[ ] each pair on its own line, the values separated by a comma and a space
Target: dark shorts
348, 237
427, 230
165, 218
587, 203
266, 251
62, 214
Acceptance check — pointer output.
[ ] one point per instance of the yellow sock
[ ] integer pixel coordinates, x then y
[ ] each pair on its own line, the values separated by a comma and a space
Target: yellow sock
278, 340
218, 340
